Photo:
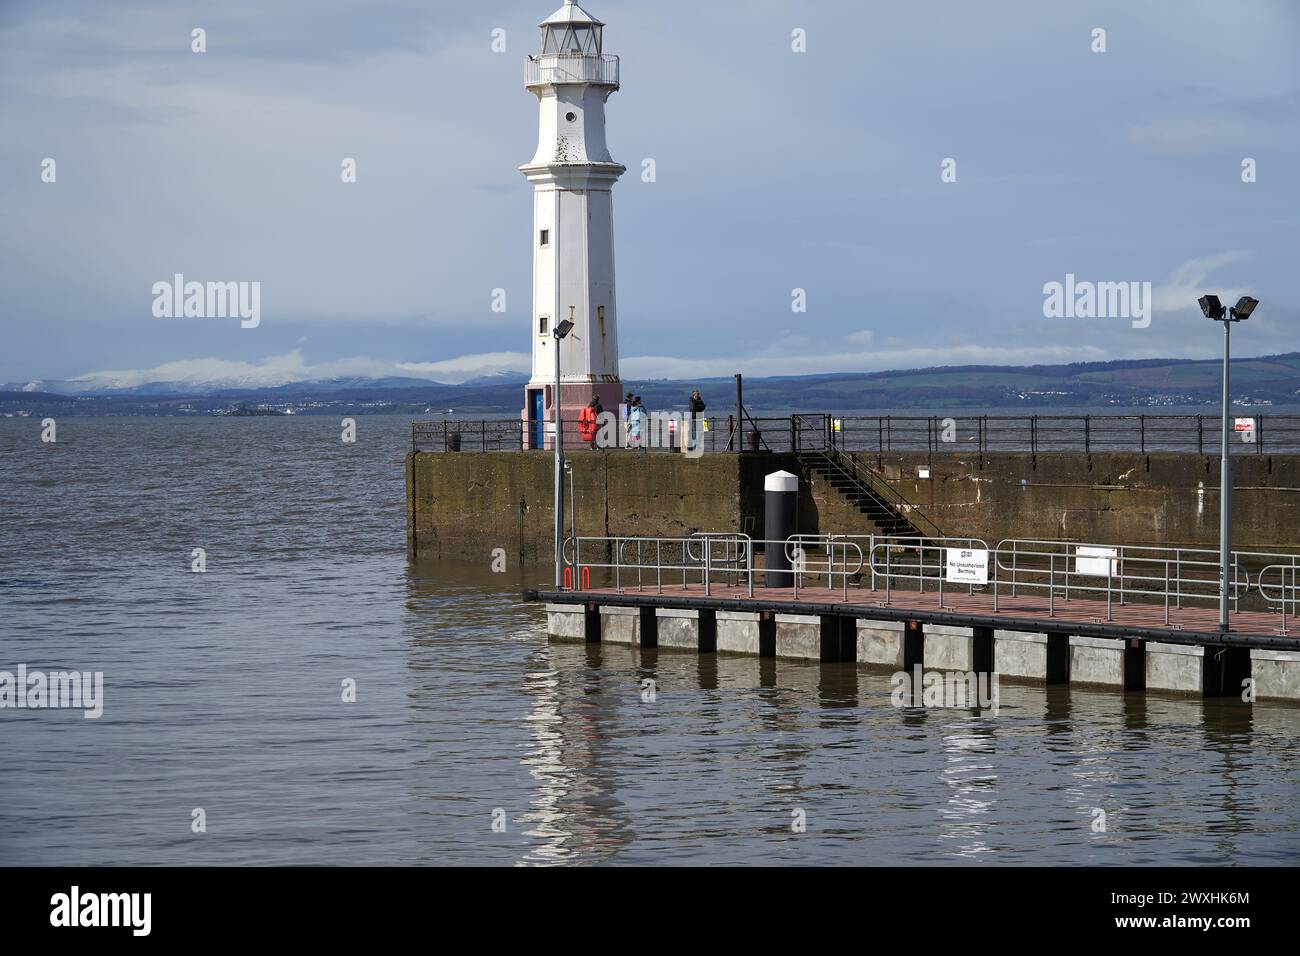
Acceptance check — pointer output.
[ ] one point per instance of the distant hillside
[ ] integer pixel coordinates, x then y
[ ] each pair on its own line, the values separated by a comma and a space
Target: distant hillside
1143, 384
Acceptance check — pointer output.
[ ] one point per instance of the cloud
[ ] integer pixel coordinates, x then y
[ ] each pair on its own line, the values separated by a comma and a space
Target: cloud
1185, 135
863, 337
1187, 284
456, 370
269, 372
664, 366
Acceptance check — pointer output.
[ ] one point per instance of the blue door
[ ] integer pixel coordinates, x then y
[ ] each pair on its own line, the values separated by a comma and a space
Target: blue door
538, 419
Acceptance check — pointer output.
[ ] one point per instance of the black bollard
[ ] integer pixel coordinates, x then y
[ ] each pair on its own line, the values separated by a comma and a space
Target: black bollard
780, 494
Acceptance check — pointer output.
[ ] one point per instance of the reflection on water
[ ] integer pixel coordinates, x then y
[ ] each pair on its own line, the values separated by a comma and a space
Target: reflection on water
223, 692
715, 768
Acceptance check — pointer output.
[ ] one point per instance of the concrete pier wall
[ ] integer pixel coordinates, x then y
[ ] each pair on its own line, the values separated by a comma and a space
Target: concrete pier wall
738, 632
949, 648
1152, 666
1155, 498
678, 628
1174, 667
465, 505
620, 625
1097, 660
798, 636
566, 622
881, 643
1021, 656
1276, 674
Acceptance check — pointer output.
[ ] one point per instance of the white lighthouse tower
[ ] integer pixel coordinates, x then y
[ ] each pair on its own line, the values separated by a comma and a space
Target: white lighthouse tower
572, 174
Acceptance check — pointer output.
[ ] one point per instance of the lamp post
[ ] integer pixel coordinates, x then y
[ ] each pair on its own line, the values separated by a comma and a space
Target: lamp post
1213, 309
562, 329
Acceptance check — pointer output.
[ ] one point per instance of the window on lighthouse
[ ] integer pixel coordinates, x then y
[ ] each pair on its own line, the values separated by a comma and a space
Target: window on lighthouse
575, 40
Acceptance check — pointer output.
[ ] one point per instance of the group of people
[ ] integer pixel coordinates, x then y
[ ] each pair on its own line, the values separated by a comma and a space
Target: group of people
634, 416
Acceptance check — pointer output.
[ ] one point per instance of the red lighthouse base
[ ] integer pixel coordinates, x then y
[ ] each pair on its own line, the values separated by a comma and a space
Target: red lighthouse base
538, 413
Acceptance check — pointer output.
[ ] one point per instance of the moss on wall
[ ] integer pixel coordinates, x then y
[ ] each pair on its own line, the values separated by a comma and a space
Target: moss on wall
465, 505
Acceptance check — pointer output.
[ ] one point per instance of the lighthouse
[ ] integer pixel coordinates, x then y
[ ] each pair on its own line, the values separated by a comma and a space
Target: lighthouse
573, 175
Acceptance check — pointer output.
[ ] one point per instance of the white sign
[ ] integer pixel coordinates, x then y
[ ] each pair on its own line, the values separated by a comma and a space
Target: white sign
922, 471
1098, 562
1245, 427
967, 566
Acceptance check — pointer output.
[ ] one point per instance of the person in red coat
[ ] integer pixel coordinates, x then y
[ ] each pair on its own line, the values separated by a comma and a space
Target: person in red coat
587, 421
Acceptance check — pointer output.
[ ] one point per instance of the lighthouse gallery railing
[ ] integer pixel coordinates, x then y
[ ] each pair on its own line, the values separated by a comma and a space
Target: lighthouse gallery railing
571, 68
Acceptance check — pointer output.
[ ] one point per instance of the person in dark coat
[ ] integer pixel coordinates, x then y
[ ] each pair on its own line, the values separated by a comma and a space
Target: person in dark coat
696, 408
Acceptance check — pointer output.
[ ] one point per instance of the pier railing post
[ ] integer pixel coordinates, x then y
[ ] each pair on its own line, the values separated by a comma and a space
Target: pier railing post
749, 564
1051, 587
889, 578
1166, 592
1284, 593
1178, 578
709, 553
1109, 568
941, 576
872, 544
996, 562
1014, 545
1121, 576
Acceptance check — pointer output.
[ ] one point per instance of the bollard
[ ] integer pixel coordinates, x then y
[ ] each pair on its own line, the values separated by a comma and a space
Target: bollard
780, 494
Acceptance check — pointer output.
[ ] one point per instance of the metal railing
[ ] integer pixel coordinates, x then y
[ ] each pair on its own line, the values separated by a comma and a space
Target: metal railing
1286, 597
1059, 570
1174, 575
664, 432
710, 558
1047, 433
571, 68
983, 433
801, 550
907, 558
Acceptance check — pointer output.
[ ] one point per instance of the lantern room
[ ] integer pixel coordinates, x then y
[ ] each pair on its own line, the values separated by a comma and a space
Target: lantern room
571, 31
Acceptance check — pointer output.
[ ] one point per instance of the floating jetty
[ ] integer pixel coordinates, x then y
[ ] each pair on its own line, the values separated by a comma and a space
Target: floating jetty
1135, 618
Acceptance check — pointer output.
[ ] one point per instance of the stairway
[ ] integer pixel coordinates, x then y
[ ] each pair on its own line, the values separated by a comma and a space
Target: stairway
848, 478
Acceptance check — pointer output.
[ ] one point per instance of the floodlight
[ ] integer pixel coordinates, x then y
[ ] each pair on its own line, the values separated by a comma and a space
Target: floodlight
1245, 305
1211, 306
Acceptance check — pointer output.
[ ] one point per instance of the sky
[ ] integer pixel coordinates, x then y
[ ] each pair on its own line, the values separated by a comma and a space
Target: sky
776, 169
